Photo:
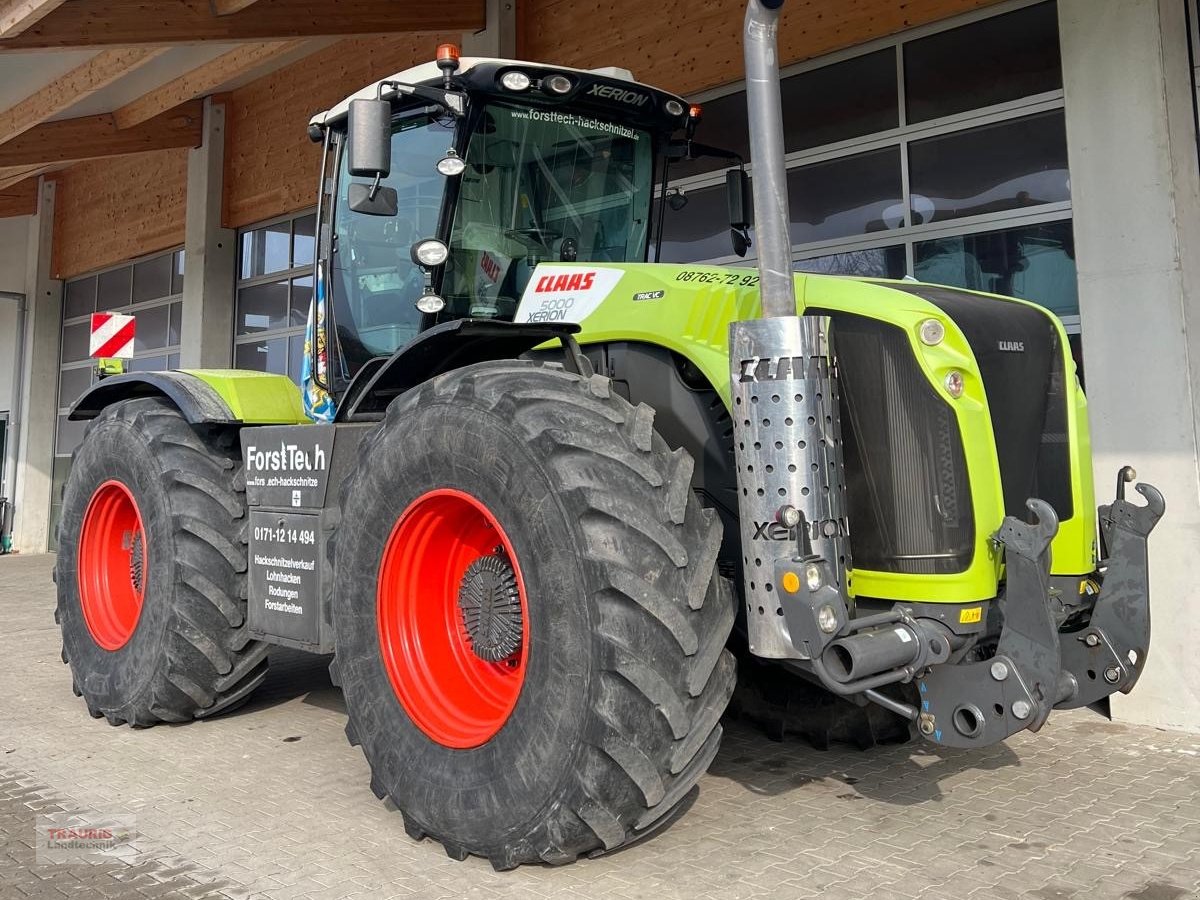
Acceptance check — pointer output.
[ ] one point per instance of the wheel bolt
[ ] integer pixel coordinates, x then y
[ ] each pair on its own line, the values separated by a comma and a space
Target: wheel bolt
1021, 709
926, 724
1112, 674
999, 671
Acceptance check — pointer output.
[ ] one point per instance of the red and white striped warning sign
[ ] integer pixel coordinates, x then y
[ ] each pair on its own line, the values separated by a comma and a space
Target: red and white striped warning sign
112, 336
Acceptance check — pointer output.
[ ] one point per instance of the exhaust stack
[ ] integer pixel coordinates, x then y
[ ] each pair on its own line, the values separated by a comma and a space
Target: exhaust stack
765, 108
787, 433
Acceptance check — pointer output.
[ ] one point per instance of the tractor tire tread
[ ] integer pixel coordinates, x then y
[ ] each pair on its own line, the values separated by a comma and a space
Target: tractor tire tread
663, 675
206, 663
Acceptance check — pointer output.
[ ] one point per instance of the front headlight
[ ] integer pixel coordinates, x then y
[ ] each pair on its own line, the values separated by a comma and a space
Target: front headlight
933, 332
955, 383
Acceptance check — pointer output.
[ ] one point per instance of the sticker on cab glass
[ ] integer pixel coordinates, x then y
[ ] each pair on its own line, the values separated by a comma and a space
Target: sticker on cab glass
565, 293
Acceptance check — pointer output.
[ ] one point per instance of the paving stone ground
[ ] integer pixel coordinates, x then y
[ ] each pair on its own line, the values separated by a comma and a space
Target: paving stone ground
271, 802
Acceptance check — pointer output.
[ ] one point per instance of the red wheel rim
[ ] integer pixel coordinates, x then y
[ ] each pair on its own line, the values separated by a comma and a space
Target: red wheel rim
112, 565
456, 698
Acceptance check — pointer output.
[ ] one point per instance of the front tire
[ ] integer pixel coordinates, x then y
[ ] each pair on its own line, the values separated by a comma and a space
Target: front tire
151, 569
605, 711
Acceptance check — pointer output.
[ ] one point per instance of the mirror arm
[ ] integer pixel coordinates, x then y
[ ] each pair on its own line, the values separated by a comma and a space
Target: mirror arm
453, 102
694, 150
662, 205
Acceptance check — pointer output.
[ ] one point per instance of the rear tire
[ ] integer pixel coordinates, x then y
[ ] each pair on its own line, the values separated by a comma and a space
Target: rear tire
625, 616
151, 569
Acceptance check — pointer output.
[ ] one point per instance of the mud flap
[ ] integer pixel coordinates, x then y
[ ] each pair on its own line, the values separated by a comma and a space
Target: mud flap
977, 704
1110, 653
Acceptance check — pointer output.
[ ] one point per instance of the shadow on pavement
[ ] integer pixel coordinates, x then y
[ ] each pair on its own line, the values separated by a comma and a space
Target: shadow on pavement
898, 774
294, 674
783, 733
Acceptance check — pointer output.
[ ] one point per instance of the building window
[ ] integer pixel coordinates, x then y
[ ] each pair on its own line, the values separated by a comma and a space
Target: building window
274, 292
150, 289
939, 154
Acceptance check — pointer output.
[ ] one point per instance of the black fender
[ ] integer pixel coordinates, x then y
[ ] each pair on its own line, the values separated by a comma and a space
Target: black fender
198, 402
448, 346
688, 413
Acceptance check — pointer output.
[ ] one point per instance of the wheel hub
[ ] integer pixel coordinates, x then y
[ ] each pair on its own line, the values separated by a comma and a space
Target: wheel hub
137, 559
490, 602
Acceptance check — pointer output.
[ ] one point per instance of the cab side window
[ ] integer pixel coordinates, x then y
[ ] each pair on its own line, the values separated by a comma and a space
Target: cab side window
374, 281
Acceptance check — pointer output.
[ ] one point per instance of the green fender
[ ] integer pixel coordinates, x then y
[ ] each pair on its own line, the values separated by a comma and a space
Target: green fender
204, 396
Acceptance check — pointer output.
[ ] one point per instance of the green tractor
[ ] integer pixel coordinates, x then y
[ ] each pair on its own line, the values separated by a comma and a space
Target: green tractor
534, 489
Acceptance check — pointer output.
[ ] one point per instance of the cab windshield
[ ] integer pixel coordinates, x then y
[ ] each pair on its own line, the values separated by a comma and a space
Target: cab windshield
543, 185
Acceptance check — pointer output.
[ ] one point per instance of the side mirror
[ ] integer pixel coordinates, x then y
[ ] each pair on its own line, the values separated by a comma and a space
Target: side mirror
382, 201
737, 190
370, 138
740, 241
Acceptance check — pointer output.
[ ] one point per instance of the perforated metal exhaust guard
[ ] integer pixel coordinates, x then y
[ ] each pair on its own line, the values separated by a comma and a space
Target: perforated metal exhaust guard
787, 441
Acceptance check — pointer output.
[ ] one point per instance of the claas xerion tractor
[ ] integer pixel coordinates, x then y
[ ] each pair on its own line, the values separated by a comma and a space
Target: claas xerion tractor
534, 489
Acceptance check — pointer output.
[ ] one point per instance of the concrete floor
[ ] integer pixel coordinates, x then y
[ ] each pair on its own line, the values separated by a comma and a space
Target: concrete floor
272, 802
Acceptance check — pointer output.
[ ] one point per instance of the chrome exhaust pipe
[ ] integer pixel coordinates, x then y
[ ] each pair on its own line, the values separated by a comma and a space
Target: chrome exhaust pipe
765, 108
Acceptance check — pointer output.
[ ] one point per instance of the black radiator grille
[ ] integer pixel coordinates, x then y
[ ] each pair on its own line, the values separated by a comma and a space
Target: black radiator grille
1021, 362
906, 475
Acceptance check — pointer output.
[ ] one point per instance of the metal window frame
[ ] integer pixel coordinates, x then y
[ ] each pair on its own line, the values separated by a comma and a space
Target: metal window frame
288, 275
901, 137
907, 36
129, 308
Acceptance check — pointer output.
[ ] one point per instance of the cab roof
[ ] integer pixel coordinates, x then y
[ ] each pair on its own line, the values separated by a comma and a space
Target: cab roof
429, 73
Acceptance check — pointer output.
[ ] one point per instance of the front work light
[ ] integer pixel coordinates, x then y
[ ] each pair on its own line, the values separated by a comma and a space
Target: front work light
515, 81
451, 164
429, 253
558, 84
430, 304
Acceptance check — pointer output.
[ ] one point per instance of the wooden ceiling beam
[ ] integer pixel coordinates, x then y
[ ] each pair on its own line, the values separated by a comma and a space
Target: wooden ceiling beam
98, 72
19, 199
13, 175
202, 80
90, 23
92, 137
229, 7
17, 15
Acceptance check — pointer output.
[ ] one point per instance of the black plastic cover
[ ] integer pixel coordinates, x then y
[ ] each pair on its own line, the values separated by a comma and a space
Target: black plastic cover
450, 345
906, 474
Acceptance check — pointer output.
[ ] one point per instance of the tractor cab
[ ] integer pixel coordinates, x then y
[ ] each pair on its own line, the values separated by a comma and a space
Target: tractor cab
446, 185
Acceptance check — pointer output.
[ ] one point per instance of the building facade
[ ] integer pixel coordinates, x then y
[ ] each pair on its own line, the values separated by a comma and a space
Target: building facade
1041, 148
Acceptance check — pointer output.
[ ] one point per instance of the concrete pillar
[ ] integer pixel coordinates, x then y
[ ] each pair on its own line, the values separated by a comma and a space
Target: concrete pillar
499, 35
14, 235
39, 387
1135, 189
210, 254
